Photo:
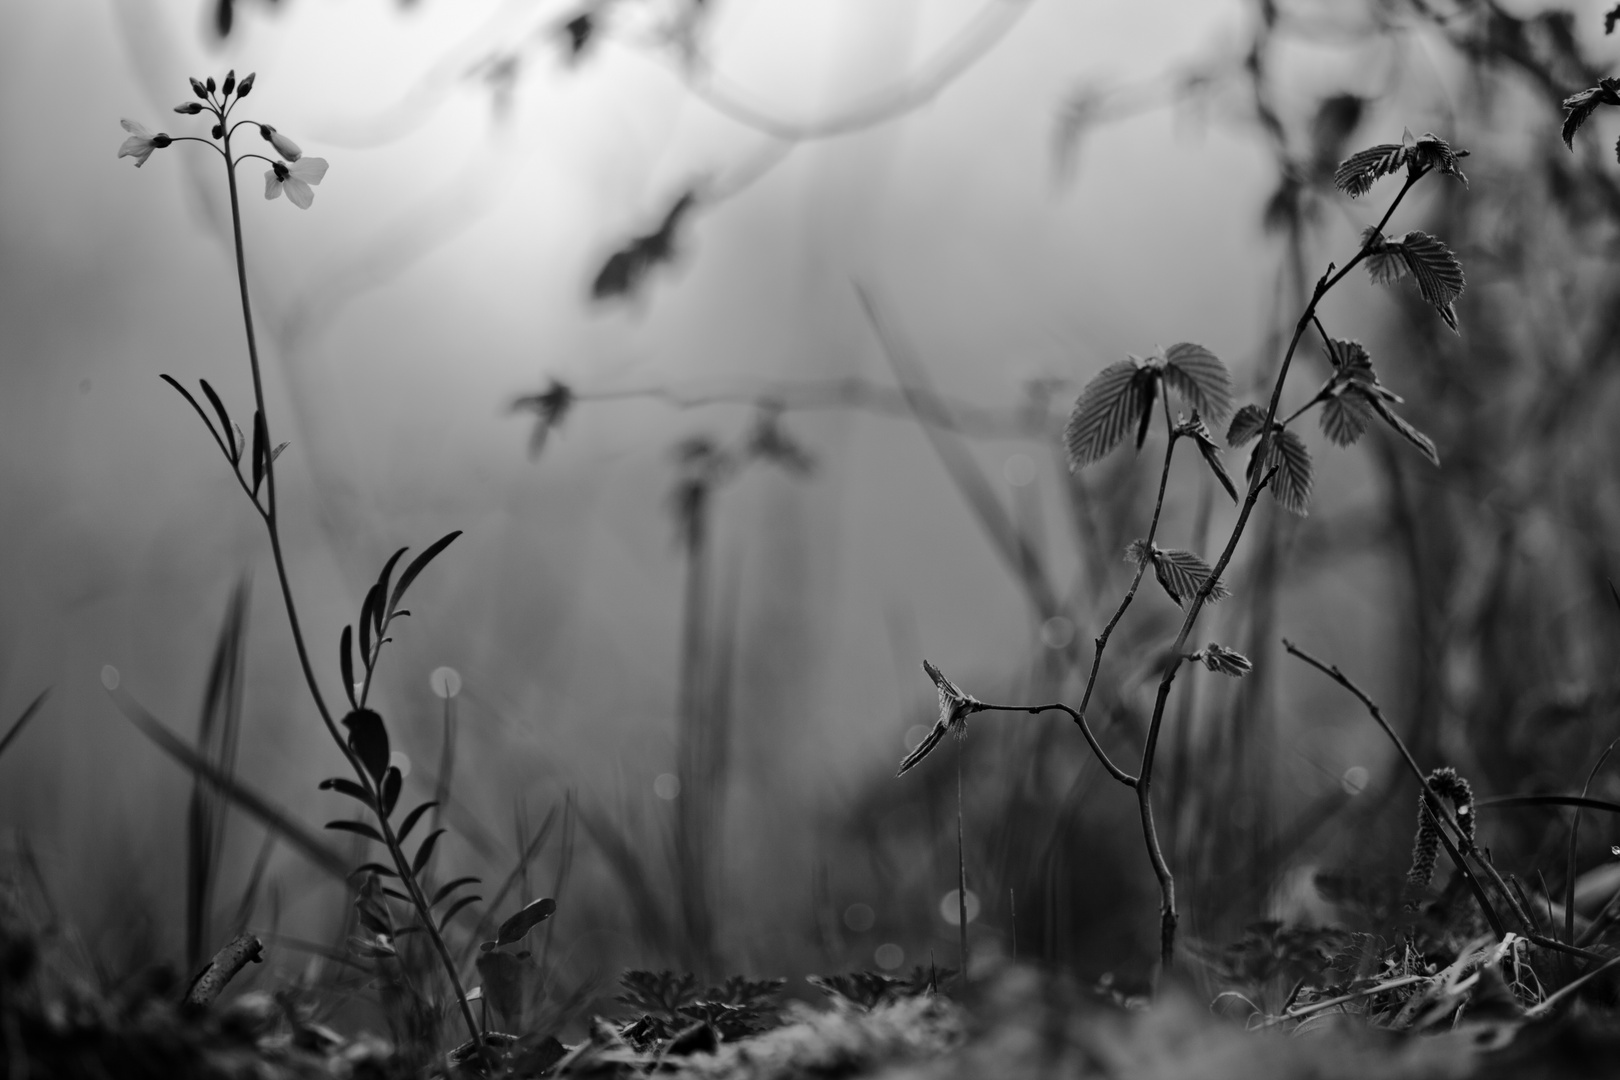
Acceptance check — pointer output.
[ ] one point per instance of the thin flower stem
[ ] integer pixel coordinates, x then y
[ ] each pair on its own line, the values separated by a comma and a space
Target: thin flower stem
192, 138
961, 871
272, 526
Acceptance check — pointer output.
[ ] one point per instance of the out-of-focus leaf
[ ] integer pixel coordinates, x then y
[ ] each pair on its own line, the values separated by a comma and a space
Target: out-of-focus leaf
1407, 431
411, 819
392, 781
425, 852
346, 787
1345, 417
359, 828
517, 927
1245, 425
22, 720
1224, 661
627, 268
550, 407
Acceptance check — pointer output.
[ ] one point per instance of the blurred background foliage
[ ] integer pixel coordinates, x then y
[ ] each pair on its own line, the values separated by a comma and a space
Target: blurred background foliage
686, 628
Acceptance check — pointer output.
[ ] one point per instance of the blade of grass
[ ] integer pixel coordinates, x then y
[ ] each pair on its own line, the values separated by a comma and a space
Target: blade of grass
298, 836
28, 713
218, 728
627, 864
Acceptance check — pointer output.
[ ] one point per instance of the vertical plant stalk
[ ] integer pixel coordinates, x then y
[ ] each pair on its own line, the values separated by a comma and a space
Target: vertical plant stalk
1144, 785
268, 512
693, 750
961, 872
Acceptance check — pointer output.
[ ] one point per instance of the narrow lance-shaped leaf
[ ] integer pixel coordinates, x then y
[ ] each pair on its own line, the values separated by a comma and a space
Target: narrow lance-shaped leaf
199, 410
1199, 376
225, 424
1103, 413
449, 887
417, 565
376, 868
261, 450
368, 738
425, 852
346, 787
454, 909
392, 781
411, 819
359, 828
368, 622
346, 663
1199, 432
382, 578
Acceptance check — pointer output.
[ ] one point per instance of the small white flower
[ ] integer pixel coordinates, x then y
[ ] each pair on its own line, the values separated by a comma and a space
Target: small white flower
284, 146
141, 142
296, 179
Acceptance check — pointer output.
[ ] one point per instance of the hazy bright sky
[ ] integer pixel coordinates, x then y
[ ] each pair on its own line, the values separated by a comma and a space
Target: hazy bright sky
443, 270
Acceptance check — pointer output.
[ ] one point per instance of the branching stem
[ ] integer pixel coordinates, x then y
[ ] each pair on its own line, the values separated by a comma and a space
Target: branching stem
268, 512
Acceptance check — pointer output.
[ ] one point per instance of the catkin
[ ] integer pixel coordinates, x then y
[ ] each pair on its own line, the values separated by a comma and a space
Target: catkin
1448, 784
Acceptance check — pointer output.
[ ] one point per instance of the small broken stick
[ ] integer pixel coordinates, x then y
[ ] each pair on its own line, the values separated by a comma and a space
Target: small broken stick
211, 981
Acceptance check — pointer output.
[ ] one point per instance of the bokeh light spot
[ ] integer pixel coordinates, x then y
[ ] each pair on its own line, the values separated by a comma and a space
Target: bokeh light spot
446, 682
951, 911
889, 956
667, 785
859, 917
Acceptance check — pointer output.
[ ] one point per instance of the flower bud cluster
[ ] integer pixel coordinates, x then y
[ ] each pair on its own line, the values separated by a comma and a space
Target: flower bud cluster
294, 174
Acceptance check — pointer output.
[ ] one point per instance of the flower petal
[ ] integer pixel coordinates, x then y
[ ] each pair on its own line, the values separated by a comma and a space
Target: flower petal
298, 192
136, 129
272, 185
138, 147
285, 146
310, 170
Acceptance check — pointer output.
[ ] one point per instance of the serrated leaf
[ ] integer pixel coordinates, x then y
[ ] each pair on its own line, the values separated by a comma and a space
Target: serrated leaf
346, 787
1411, 434
1212, 457
359, 828
1438, 274
1356, 175
1577, 108
368, 738
425, 852
1385, 261
1224, 661
454, 908
1433, 152
392, 781
1182, 574
449, 887
1104, 413
518, 926
1199, 376
1292, 484
1245, 425
419, 564
1345, 417
412, 818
